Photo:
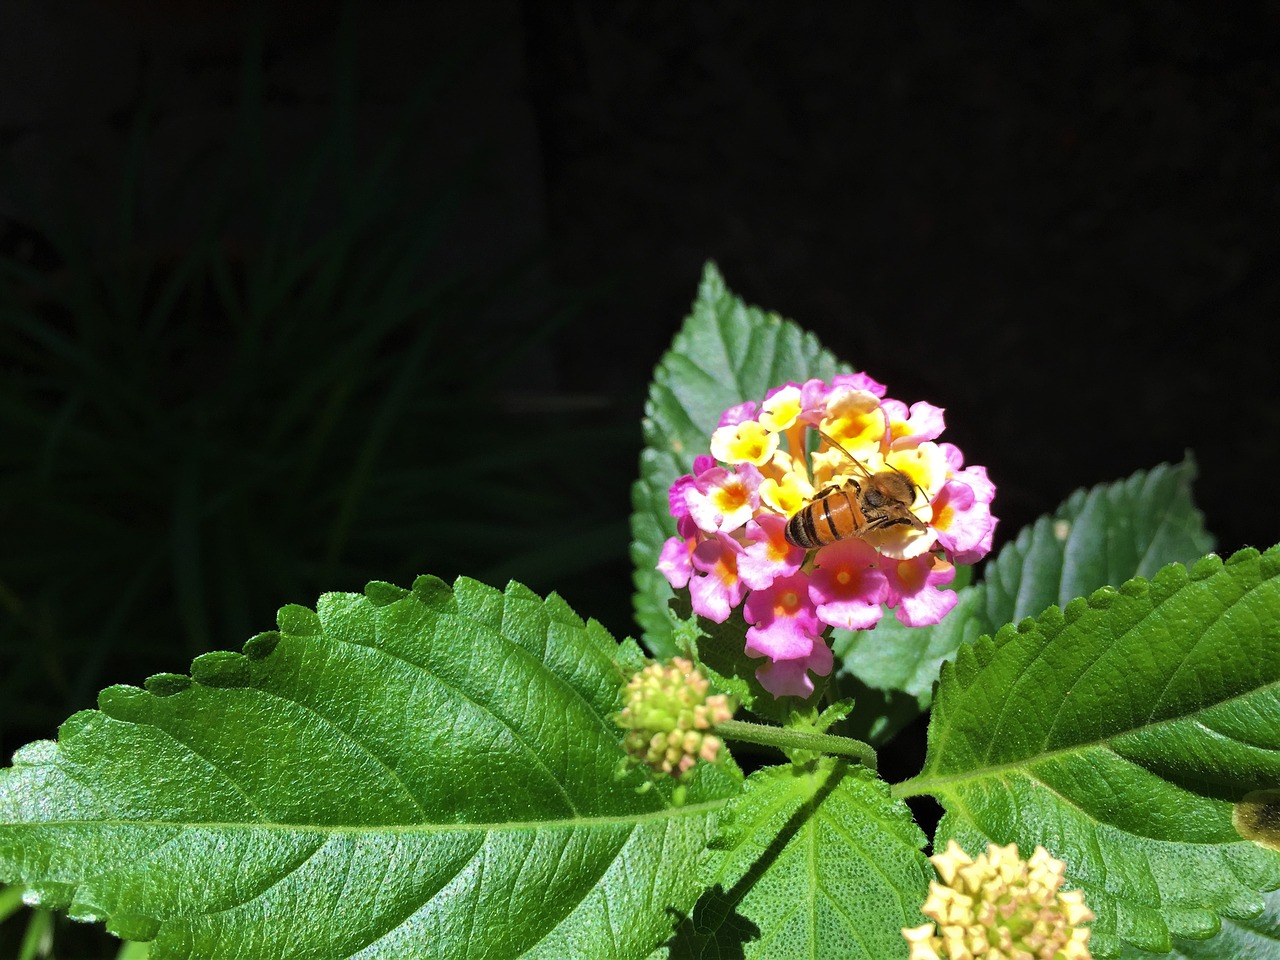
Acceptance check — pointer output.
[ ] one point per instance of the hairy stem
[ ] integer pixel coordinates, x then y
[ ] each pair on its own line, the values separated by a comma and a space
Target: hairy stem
786, 739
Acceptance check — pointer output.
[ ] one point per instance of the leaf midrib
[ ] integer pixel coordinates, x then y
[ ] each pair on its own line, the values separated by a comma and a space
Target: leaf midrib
1156, 607
666, 813
918, 785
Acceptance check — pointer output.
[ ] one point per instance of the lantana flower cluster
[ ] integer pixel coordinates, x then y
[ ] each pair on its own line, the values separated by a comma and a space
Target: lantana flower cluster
771, 459
1001, 907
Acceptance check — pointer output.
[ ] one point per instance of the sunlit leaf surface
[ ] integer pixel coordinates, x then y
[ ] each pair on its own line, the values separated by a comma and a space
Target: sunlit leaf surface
815, 861
1098, 537
1118, 732
399, 773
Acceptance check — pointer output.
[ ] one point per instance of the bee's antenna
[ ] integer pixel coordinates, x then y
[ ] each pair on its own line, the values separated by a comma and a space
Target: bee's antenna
863, 467
836, 443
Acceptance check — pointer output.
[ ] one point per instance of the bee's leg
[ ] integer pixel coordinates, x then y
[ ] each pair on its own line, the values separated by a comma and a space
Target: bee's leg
880, 523
834, 487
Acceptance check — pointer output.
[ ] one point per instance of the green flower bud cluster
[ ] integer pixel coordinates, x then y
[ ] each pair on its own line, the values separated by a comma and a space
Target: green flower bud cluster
667, 715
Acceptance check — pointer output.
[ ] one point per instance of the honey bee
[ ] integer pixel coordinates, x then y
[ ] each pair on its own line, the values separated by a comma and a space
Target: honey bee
854, 509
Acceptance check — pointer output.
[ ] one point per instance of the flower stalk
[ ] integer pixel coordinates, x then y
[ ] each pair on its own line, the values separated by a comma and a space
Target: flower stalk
788, 738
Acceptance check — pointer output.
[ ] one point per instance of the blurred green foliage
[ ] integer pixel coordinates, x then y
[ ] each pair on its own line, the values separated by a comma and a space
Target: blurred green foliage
314, 392
195, 436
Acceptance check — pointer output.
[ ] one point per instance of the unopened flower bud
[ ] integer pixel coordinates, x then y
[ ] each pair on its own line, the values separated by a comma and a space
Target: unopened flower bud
667, 713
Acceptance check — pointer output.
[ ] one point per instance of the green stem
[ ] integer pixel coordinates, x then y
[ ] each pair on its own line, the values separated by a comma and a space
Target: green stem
38, 936
786, 739
10, 902
908, 788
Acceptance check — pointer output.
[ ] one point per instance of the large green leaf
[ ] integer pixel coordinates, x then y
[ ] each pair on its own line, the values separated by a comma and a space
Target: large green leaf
725, 353
814, 861
1118, 733
1098, 537
400, 773
1257, 938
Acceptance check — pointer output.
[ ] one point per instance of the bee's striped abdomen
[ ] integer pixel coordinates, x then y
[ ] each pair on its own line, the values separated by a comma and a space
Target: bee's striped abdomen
824, 520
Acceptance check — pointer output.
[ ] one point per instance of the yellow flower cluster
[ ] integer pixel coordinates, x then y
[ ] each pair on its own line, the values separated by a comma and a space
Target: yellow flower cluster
666, 714
1001, 907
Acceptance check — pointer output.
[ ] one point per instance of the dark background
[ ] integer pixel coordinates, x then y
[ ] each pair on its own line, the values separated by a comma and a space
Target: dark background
1057, 221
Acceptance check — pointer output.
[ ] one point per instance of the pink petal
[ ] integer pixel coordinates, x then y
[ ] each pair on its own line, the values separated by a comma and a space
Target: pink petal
925, 422
676, 496
962, 522
913, 589
705, 503
976, 477
927, 607
980, 549
813, 401
768, 554
847, 585
859, 381
719, 589
790, 678
711, 599
736, 415
674, 561
781, 639
850, 614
